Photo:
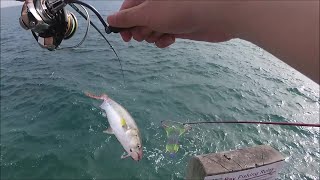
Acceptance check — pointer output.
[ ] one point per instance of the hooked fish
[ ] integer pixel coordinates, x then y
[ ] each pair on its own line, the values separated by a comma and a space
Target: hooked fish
123, 126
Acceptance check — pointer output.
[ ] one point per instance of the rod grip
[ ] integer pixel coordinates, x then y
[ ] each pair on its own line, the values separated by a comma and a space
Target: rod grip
116, 29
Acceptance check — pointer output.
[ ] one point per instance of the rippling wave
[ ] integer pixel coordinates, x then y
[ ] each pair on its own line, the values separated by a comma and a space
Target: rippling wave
49, 129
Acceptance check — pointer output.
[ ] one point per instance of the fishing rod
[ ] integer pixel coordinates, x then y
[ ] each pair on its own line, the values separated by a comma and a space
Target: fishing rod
254, 122
103, 36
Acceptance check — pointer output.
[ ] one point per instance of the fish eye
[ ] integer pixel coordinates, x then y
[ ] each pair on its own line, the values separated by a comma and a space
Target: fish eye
138, 146
130, 150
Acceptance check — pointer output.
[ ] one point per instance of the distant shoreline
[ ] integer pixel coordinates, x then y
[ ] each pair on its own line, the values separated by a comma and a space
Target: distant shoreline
5, 4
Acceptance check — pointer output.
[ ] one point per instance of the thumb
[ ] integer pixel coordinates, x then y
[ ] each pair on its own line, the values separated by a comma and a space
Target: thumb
127, 18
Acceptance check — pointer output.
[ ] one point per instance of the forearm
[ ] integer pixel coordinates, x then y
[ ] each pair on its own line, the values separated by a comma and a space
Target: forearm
289, 30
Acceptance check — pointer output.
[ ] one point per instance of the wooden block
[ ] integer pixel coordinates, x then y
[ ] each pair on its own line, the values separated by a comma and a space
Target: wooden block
259, 162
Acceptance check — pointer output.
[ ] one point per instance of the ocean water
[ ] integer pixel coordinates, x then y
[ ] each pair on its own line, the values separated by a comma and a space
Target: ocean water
51, 130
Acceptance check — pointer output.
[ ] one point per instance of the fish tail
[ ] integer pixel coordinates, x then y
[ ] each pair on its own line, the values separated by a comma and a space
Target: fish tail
102, 97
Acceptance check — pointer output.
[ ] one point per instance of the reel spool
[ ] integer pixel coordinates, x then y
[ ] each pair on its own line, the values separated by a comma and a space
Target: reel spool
48, 21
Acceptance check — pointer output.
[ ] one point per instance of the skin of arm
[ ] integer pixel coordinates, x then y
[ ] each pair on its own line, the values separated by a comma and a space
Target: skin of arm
287, 29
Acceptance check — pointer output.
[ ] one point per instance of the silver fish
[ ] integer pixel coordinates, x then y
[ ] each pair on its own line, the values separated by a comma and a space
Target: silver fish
123, 126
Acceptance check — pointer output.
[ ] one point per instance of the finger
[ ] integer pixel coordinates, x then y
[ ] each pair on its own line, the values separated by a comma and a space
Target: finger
126, 35
130, 3
154, 36
165, 41
140, 33
127, 18
216, 36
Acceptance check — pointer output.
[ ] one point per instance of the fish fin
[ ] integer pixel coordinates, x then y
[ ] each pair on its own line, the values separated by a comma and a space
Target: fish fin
102, 97
125, 156
108, 131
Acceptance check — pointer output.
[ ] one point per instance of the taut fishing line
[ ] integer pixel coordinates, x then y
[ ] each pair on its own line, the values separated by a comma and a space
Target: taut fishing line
254, 122
103, 36
175, 130
87, 17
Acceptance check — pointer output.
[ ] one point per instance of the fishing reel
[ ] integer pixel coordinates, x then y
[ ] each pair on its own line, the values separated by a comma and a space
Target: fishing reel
50, 22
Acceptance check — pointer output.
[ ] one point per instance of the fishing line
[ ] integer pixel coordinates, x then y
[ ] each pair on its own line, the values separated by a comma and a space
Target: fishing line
95, 27
87, 17
254, 122
174, 130
51, 23
94, 10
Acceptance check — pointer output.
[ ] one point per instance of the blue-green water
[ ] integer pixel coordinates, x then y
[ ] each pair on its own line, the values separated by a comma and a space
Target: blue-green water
51, 130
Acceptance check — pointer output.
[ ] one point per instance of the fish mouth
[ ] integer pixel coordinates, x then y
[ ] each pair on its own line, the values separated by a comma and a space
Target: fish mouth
138, 157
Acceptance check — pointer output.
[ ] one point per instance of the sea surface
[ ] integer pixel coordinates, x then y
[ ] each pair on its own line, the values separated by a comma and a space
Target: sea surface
51, 130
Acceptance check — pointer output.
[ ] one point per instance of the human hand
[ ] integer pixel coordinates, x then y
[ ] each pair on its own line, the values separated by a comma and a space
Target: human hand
288, 30
140, 33
160, 22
